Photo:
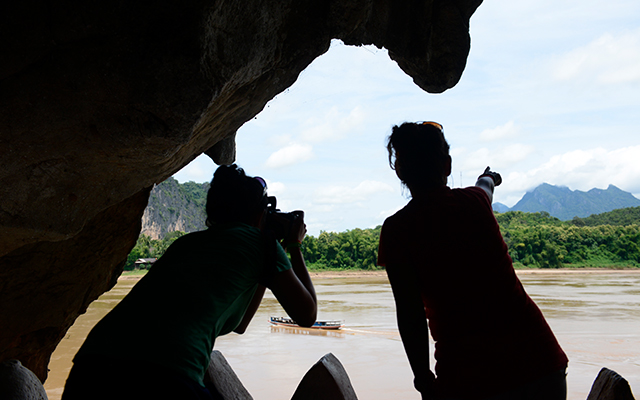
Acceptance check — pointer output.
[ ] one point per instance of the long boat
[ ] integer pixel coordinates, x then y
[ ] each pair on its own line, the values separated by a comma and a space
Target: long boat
320, 324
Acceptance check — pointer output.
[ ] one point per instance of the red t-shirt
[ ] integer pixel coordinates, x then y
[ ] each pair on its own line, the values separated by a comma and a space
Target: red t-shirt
489, 334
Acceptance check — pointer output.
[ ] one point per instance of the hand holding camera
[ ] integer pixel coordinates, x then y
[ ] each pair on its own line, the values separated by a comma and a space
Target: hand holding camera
289, 227
298, 229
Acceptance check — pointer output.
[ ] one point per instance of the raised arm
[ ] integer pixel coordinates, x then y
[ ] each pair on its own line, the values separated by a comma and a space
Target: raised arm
488, 181
412, 324
293, 288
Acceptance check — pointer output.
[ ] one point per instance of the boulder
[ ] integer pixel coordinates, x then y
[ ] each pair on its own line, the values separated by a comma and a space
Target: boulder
221, 375
18, 383
327, 379
610, 386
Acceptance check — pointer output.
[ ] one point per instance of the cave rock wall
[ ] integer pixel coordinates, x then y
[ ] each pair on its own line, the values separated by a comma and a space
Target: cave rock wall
101, 100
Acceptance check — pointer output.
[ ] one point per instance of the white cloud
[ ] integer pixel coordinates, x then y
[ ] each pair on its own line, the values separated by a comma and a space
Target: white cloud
476, 160
345, 195
290, 155
610, 59
275, 188
502, 158
501, 132
279, 140
321, 208
201, 169
387, 213
333, 125
457, 152
513, 153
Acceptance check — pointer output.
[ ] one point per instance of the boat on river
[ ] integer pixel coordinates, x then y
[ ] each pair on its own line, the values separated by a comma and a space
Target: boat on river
320, 324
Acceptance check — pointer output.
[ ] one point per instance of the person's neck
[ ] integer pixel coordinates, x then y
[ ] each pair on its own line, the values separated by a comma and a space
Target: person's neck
423, 190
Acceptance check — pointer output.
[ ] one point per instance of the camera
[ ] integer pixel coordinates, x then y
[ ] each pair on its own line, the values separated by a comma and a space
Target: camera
277, 222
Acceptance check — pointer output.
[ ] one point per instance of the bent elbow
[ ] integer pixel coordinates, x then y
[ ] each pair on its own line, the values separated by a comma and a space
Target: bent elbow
308, 320
306, 323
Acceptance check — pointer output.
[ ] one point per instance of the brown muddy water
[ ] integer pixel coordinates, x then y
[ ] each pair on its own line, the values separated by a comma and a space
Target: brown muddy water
596, 317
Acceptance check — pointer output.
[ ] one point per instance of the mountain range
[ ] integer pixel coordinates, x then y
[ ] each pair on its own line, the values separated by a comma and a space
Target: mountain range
564, 203
175, 206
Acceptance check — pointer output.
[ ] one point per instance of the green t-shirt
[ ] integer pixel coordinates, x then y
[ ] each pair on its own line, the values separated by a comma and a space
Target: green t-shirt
199, 290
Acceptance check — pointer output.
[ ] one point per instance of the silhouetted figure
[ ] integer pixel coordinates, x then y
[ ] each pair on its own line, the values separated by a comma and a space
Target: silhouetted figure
156, 343
449, 265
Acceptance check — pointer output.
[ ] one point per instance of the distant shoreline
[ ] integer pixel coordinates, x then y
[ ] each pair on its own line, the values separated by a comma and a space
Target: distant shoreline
383, 273
347, 274
587, 271
531, 271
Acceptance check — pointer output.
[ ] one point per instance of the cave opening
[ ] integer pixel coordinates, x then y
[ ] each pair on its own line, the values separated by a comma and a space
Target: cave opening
321, 143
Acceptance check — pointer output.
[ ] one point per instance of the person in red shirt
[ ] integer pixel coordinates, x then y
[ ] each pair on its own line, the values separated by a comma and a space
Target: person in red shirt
452, 276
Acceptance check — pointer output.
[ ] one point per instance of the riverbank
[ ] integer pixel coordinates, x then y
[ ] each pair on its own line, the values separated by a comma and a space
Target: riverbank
585, 271
529, 271
135, 275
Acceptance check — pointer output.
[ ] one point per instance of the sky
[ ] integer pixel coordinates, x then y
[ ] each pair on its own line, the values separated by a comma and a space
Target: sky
550, 93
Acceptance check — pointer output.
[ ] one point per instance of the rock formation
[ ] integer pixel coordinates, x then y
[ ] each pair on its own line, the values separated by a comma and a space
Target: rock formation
175, 207
102, 99
224, 379
18, 383
327, 379
609, 385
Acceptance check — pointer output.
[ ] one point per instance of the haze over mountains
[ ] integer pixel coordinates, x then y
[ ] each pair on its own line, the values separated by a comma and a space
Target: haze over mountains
564, 203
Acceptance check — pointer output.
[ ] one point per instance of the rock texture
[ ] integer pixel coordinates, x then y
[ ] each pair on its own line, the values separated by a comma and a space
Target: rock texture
100, 100
222, 376
18, 383
610, 386
327, 379
175, 207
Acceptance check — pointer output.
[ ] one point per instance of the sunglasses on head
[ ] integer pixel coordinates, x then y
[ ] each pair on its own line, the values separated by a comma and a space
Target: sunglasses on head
270, 200
437, 125
263, 183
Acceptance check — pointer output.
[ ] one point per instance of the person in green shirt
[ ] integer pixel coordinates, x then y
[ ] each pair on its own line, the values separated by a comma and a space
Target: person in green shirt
156, 343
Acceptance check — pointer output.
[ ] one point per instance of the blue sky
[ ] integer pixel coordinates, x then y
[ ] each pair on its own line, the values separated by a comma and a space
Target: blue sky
551, 93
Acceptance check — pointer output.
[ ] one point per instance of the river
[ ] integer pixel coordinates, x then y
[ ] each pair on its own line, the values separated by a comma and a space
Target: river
595, 316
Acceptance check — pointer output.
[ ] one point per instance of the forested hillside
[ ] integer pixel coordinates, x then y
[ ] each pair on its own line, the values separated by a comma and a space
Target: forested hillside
535, 240
146, 247
621, 217
539, 240
175, 207
353, 249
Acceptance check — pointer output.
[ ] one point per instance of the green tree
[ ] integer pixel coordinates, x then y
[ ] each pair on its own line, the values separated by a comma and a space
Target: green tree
142, 249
